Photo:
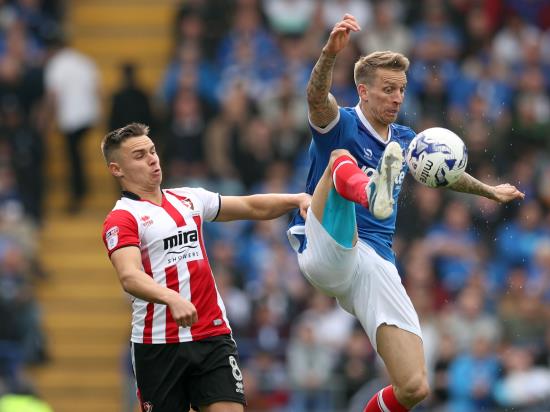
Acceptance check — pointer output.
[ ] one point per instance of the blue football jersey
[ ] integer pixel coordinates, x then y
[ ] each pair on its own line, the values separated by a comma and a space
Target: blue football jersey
352, 131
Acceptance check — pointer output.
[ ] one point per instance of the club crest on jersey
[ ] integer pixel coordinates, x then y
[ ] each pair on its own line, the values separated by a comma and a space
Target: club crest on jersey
146, 220
147, 407
112, 237
187, 202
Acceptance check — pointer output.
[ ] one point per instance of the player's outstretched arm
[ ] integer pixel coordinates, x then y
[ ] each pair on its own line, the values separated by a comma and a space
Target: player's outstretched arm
127, 262
500, 193
321, 104
261, 207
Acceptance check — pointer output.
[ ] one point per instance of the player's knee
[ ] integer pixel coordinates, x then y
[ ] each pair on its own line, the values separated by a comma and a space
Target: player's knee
414, 390
335, 154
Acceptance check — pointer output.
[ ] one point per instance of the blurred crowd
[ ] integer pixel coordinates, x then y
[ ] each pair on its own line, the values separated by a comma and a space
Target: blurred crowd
230, 115
478, 272
25, 28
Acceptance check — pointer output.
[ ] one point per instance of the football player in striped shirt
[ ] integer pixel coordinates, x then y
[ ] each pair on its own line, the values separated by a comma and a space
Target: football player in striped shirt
183, 353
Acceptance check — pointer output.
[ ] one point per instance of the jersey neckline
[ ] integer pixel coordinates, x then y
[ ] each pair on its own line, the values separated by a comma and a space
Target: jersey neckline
369, 127
135, 196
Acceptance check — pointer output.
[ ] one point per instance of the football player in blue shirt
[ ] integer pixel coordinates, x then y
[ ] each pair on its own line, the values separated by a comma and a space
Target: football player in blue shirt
356, 172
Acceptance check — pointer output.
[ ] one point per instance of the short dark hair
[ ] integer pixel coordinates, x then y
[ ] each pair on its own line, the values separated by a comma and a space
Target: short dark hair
115, 138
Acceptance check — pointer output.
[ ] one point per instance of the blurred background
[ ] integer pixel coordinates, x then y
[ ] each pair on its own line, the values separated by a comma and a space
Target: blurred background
222, 84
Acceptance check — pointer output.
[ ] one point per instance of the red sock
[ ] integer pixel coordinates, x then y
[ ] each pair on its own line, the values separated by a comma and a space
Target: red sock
349, 180
385, 401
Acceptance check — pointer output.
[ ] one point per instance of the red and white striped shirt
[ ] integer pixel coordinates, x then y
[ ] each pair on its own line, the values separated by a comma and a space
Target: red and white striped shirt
172, 253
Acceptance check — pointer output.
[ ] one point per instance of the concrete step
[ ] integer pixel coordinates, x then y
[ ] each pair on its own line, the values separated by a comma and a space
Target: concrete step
88, 304
105, 14
75, 379
88, 279
89, 401
98, 206
130, 43
87, 315
93, 257
47, 294
86, 324
71, 341
102, 350
96, 172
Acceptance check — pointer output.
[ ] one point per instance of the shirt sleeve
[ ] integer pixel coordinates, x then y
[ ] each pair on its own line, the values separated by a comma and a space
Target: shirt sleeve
120, 229
210, 201
330, 135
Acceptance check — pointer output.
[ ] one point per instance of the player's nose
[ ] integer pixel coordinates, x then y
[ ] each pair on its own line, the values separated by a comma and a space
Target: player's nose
398, 97
153, 158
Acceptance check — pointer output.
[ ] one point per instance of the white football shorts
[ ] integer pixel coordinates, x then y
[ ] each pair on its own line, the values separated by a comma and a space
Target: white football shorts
365, 284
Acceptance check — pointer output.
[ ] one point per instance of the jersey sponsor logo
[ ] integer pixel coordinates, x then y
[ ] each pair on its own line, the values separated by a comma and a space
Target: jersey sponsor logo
183, 245
112, 237
146, 220
181, 240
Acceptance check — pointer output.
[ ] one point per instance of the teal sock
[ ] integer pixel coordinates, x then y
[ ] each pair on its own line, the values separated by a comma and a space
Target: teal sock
339, 219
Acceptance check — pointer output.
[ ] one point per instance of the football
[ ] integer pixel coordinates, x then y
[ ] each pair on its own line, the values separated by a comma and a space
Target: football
437, 157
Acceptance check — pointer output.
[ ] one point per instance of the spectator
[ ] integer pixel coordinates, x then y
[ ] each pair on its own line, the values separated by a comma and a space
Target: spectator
310, 366
469, 320
523, 385
289, 16
356, 364
386, 32
72, 83
184, 147
453, 246
472, 377
130, 103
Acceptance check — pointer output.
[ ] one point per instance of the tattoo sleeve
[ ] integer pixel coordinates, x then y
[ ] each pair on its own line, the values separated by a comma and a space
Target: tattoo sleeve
322, 106
469, 184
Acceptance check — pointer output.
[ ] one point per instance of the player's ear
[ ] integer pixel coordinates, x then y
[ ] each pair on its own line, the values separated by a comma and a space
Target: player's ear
115, 169
363, 91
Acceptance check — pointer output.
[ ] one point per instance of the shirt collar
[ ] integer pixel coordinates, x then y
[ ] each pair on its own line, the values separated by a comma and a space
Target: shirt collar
370, 128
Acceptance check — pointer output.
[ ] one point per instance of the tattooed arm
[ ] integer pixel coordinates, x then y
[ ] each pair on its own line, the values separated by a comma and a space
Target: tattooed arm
500, 193
322, 105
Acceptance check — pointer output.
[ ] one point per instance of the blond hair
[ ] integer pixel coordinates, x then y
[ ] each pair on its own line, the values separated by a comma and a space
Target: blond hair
365, 68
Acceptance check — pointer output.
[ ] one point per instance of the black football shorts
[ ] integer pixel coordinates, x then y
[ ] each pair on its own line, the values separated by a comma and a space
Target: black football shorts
172, 377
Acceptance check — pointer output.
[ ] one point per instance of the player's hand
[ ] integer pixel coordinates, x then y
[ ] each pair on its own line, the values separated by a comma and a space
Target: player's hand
506, 192
304, 201
339, 36
183, 311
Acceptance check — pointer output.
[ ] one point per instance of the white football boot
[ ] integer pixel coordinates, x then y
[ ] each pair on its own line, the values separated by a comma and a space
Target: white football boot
380, 188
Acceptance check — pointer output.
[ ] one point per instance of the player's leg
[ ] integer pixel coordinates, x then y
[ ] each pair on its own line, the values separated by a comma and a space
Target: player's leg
347, 179
403, 356
159, 373
333, 207
381, 304
328, 260
223, 407
217, 382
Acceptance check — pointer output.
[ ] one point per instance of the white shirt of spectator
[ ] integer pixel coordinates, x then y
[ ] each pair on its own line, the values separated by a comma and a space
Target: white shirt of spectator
73, 78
